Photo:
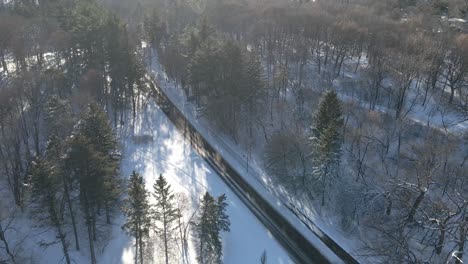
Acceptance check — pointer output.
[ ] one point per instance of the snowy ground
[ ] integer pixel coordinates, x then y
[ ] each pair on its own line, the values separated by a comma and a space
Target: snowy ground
249, 166
167, 153
436, 114
188, 173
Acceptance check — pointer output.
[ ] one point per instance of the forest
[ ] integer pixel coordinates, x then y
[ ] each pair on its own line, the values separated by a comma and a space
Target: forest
354, 112
70, 71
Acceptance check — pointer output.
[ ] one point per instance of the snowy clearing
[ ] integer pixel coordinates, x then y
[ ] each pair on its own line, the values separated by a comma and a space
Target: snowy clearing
167, 153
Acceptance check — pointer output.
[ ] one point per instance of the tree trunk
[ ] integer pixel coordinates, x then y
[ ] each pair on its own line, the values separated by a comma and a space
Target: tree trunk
461, 245
358, 62
323, 194
36, 137
452, 93
106, 205
91, 242
415, 206
64, 244
40, 59
94, 227
340, 65
91, 233
141, 247
5, 244
72, 214
325, 62
63, 241
426, 92
136, 246
319, 61
201, 250
441, 240
58, 225
166, 250
2, 57
181, 235
388, 211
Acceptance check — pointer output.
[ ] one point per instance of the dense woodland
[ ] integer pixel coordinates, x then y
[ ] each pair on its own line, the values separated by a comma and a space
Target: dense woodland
72, 74
72, 70
395, 181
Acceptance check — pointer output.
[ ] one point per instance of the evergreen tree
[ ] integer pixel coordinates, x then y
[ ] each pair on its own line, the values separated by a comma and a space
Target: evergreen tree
154, 29
225, 80
205, 30
96, 129
205, 228
46, 199
55, 150
87, 27
211, 220
117, 51
329, 113
326, 140
93, 163
193, 43
222, 224
89, 167
137, 210
59, 117
165, 212
222, 219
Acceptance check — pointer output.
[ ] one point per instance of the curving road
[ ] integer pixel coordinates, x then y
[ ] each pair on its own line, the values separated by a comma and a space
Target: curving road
300, 249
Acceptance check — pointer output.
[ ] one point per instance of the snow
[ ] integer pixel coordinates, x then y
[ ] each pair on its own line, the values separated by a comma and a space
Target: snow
251, 170
188, 173
168, 154
461, 20
433, 114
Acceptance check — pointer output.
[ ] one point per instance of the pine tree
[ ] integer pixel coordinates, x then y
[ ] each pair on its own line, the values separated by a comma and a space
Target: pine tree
326, 140
97, 129
205, 228
222, 224
165, 212
154, 29
137, 210
205, 30
89, 167
46, 199
328, 113
59, 117
211, 220
93, 162
55, 150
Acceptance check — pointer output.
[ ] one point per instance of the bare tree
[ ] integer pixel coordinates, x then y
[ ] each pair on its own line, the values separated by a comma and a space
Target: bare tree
456, 63
6, 246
